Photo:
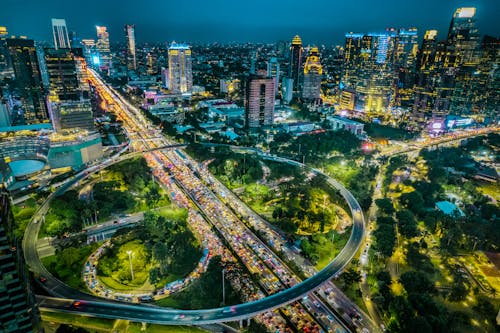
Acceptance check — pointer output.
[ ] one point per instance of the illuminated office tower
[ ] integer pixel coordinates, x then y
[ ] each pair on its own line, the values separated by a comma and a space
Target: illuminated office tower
259, 101
24, 59
90, 52
16, 313
131, 57
180, 70
404, 64
490, 67
295, 69
102, 47
273, 70
69, 96
313, 72
352, 58
60, 34
425, 59
406, 48
5, 65
463, 46
152, 64
463, 36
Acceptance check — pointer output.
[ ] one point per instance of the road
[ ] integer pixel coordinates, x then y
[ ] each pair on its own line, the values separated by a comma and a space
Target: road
106, 309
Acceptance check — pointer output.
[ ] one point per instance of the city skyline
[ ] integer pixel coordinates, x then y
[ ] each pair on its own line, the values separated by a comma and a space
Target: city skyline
209, 22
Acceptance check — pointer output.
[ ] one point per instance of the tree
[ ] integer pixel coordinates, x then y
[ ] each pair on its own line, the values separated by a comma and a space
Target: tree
385, 235
351, 276
413, 201
407, 223
385, 205
417, 282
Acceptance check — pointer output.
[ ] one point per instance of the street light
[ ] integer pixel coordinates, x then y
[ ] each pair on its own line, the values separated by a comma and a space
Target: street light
223, 288
130, 262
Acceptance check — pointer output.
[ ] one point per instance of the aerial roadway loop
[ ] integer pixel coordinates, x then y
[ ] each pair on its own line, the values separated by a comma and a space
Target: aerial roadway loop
72, 300
103, 308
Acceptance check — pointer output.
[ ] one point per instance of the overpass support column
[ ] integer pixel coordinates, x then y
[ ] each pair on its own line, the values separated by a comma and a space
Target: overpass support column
248, 322
241, 323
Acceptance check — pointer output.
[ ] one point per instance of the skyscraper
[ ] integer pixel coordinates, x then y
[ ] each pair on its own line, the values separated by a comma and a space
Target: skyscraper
24, 58
295, 69
463, 48
313, 72
102, 47
463, 36
259, 101
152, 64
179, 68
15, 311
426, 54
60, 34
131, 57
273, 70
69, 97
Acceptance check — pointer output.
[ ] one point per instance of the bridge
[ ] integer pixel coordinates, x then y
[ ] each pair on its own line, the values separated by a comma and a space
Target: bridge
98, 307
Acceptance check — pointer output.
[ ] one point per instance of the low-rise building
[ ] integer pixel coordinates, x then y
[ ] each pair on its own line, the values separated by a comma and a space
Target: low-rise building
340, 123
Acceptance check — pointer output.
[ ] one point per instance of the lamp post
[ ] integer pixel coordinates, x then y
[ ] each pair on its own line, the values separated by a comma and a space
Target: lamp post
223, 288
130, 262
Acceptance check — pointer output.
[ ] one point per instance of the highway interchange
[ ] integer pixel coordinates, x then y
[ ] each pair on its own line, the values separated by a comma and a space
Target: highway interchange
231, 220
279, 295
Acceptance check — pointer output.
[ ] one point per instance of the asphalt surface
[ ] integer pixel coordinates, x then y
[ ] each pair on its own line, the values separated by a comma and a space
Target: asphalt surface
94, 306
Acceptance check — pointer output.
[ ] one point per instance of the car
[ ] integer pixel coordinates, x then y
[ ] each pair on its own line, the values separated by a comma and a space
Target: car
42, 279
77, 304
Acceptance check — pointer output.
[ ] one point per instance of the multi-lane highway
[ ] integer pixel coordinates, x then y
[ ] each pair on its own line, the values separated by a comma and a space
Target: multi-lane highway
103, 308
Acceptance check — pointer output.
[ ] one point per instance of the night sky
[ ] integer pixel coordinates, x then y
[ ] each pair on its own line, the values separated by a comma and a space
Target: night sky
243, 21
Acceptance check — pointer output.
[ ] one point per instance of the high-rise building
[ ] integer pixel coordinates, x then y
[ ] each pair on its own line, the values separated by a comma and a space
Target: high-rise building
180, 70
69, 96
60, 34
15, 310
295, 69
131, 57
463, 36
90, 52
5, 64
24, 58
273, 70
427, 52
313, 72
67, 75
152, 64
102, 47
287, 90
463, 43
259, 101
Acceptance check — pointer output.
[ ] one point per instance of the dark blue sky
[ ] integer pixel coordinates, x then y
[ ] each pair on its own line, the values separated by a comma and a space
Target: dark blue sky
246, 20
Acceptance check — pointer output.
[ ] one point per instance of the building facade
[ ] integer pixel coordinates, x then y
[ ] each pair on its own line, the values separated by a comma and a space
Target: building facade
102, 47
60, 34
131, 53
180, 69
15, 310
313, 72
259, 101
295, 69
24, 57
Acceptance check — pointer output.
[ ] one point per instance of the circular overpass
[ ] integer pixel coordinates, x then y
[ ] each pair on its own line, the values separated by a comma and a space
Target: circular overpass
104, 308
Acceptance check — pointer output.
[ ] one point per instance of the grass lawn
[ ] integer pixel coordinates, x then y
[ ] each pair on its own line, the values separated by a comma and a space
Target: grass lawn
343, 172
70, 273
118, 279
491, 190
329, 250
98, 324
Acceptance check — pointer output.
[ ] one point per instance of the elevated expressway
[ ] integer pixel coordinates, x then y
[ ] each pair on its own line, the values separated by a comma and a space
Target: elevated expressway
103, 308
